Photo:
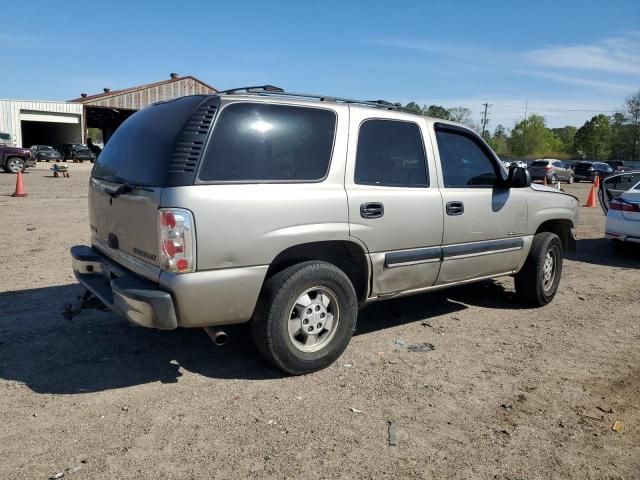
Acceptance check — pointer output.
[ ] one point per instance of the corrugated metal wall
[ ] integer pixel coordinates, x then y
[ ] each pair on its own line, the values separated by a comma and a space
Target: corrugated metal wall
146, 96
10, 114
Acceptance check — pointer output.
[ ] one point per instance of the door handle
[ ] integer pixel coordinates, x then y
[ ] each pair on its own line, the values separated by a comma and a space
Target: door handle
371, 210
455, 208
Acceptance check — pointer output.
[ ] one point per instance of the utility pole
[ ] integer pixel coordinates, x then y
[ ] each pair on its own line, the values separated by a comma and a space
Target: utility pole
485, 120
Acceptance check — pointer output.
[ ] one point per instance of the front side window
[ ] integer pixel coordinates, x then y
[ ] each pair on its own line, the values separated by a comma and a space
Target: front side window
464, 162
390, 153
253, 142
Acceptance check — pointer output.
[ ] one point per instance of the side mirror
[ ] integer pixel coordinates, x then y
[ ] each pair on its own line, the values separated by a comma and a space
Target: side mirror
519, 177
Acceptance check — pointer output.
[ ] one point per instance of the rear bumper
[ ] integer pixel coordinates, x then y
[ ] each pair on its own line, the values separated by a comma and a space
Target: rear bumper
136, 299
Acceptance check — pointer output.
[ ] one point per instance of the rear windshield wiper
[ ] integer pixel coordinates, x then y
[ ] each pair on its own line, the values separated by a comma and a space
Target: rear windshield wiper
124, 188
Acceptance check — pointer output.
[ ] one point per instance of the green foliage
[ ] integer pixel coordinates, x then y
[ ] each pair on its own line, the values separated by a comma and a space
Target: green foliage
436, 111
413, 107
95, 134
531, 137
593, 139
565, 135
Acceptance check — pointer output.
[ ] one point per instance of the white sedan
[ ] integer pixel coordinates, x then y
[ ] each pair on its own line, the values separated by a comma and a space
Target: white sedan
620, 198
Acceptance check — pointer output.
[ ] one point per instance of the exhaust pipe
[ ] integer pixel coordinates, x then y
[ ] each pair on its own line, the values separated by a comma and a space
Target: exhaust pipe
218, 337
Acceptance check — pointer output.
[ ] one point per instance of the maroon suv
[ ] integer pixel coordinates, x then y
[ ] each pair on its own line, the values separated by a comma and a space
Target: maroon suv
15, 159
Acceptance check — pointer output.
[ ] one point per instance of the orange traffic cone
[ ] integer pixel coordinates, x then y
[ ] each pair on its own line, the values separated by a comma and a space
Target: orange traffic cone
19, 186
591, 199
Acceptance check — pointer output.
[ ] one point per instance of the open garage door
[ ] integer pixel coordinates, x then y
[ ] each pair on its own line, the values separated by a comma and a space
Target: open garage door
40, 128
107, 119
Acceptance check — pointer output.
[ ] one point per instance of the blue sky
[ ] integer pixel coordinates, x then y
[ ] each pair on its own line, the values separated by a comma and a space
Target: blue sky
557, 55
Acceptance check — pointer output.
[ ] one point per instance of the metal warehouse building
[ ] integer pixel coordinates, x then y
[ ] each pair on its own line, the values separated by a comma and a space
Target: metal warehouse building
55, 123
37, 122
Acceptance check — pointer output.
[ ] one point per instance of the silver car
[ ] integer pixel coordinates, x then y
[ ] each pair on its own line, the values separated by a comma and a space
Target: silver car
552, 170
290, 211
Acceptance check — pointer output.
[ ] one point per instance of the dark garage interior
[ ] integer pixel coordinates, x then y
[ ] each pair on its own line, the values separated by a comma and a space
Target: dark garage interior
106, 119
49, 133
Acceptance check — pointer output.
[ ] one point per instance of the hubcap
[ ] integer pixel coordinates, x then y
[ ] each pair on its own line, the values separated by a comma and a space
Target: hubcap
15, 165
313, 320
548, 270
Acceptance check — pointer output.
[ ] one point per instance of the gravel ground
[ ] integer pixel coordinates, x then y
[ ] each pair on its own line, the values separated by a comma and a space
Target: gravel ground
507, 393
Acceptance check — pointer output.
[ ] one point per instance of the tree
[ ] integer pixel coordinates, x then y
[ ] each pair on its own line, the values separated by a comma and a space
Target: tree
593, 139
531, 136
461, 115
633, 115
436, 111
498, 141
565, 135
621, 137
413, 107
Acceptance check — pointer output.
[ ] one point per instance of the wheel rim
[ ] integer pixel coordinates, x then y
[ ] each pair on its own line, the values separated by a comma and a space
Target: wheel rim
549, 270
314, 319
15, 165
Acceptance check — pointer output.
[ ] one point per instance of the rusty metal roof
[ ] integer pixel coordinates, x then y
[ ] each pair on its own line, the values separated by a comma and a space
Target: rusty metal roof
114, 93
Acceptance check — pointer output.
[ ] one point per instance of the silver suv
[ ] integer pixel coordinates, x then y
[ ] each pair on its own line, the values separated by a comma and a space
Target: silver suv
289, 211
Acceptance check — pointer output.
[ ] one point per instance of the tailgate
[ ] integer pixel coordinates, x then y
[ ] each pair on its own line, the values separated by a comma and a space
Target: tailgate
124, 227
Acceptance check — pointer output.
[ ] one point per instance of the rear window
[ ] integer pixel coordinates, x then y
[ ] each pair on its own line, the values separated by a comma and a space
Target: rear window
539, 164
253, 142
141, 148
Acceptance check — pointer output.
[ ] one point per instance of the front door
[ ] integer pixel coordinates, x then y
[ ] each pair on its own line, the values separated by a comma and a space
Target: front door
395, 207
484, 226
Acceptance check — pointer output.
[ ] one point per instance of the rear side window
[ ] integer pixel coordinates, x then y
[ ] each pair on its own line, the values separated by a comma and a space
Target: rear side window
140, 150
390, 153
464, 162
254, 142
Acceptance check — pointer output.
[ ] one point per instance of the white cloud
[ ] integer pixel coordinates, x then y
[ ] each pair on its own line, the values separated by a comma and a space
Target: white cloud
612, 55
579, 81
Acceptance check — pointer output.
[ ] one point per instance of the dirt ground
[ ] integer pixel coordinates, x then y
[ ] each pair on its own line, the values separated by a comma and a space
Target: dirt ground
508, 393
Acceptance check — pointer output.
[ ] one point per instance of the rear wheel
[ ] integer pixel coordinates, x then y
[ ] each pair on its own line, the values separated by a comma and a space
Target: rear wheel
305, 317
14, 165
538, 281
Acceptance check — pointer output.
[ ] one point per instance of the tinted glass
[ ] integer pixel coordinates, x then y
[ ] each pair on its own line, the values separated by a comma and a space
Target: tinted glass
141, 148
539, 164
260, 142
390, 153
464, 163
558, 164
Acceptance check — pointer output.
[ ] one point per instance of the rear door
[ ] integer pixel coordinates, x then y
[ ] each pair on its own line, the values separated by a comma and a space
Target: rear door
395, 206
484, 225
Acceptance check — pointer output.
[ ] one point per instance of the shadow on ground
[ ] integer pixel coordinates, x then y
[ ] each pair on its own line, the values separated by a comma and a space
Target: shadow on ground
97, 351
600, 251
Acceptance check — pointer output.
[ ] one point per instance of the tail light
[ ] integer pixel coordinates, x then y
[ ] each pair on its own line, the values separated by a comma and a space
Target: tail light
548, 167
177, 239
622, 206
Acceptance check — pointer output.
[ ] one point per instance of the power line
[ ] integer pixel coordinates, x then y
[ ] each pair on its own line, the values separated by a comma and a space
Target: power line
520, 107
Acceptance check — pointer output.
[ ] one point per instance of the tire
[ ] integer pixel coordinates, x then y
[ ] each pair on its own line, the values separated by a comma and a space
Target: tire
532, 287
73, 158
14, 165
280, 317
571, 179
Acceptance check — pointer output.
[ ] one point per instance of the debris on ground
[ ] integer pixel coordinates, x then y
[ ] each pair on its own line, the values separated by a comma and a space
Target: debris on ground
67, 471
506, 407
617, 426
605, 410
421, 347
400, 342
393, 434
355, 410
426, 324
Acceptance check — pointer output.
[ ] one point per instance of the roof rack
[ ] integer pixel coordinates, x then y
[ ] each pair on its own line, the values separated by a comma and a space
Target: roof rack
271, 90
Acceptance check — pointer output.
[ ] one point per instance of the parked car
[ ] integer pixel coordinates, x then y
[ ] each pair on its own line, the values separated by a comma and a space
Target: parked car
290, 211
590, 170
45, 153
5, 139
519, 163
15, 159
616, 165
619, 197
551, 169
76, 152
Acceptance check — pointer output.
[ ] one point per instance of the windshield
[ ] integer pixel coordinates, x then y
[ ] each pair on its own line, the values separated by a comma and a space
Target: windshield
44, 147
78, 146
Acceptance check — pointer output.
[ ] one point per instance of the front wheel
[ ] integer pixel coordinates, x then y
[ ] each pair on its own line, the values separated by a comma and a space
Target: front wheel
538, 281
305, 318
14, 165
